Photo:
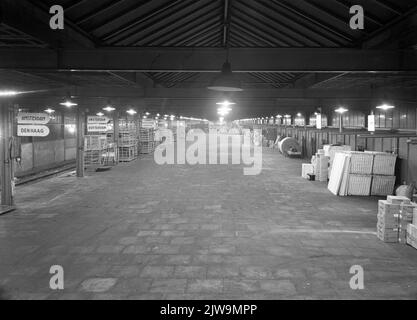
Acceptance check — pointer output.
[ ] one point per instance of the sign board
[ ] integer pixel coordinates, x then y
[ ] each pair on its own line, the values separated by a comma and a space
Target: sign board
97, 119
33, 118
318, 121
32, 131
96, 127
148, 123
371, 123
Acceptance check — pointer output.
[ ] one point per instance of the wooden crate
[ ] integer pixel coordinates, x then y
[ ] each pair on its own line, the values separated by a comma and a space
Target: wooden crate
127, 154
359, 185
382, 185
361, 163
384, 163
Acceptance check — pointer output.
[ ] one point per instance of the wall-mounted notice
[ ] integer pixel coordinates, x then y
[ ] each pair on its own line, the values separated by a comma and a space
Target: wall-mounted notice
371, 123
318, 121
97, 119
33, 118
148, 123
96, 127
32, 131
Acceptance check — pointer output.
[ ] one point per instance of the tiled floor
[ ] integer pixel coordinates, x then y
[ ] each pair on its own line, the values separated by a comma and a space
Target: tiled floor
142, 231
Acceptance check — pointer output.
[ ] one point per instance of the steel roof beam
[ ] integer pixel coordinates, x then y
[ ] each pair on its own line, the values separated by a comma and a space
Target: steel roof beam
34, 21
208, 59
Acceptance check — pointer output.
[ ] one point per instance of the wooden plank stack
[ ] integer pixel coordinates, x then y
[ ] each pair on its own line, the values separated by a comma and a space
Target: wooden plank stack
354, 174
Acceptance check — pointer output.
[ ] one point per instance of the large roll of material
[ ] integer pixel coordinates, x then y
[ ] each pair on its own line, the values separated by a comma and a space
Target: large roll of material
289, 144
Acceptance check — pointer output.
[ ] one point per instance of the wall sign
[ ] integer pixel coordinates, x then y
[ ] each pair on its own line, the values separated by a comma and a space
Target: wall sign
371, 123
318, 121
96, 127
32, 131
33, 118
148, 123
97, 119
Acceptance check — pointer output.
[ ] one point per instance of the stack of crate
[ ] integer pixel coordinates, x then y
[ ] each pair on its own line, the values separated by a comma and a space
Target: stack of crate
127, 145
94, 147
394, 215
147, 140
383, 173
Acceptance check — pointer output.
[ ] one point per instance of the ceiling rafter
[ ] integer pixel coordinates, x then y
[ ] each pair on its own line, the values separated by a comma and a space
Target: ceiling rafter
368, 16
300, 25
183, 22
314, 20
90, 15
127, 27
268, 28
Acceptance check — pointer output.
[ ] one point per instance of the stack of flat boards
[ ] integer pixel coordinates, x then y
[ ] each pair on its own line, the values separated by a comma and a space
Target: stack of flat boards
337, 176
353, 174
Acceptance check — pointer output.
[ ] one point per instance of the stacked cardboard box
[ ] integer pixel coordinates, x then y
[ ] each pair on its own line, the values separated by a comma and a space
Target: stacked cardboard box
319, 167
393, 218
412, 230
307, 168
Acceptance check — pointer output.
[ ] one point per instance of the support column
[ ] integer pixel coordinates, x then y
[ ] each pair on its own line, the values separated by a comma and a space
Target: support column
116, 127
80, 127
6, 123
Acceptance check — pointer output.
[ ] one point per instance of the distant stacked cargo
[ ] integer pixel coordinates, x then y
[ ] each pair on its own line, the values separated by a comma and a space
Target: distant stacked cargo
362, 174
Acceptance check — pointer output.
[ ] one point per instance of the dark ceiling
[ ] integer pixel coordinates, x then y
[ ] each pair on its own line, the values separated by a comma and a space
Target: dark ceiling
209, 23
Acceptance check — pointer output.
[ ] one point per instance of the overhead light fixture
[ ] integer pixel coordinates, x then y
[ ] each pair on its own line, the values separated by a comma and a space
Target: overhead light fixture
225, 81
131, 112
341, 110
68, 104
109, 108
385, 107
49, 111
8, 93
226, 103
100, 114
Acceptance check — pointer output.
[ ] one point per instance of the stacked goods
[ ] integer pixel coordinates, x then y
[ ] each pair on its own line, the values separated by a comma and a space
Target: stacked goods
393, 219
289, 147
318, 167
384, 163
406, 218
383, 170
321, 167
382, 185
147, 140
331, 150
355, 174
95, 142
351, 174
307, 169
94, 147
412, 231
128, 148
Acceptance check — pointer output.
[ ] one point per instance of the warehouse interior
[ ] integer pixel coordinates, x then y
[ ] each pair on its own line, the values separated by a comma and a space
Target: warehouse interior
293, 75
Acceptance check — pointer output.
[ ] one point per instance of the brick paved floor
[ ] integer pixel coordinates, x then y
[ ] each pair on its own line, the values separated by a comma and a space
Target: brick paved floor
142, 231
